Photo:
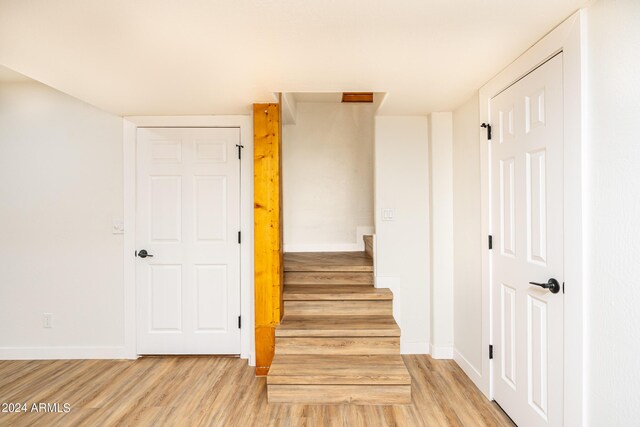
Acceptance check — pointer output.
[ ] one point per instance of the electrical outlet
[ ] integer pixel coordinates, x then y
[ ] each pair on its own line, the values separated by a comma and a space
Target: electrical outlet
47, 320
117, 226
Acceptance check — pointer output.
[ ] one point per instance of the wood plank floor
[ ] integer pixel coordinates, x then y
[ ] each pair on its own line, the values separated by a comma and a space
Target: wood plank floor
217, 391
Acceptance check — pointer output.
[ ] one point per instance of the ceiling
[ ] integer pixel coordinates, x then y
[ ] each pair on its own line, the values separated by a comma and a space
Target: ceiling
331, 97
9, 76
148, 57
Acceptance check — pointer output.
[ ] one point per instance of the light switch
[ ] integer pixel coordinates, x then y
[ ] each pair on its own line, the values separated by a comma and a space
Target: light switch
118, 226
387, 214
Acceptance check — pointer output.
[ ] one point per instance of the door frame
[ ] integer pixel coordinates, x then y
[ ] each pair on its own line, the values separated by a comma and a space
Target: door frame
130, 128
568, 38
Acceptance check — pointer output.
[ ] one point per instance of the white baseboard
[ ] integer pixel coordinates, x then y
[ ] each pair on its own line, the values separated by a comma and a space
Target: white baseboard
468, 368
413, 347
55, 353
441, 352
338, 247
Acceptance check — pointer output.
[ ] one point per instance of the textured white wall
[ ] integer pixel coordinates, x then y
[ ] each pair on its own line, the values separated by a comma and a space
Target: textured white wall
61, 174
327, 171
467, 268
441, 152
402, 185
612, 222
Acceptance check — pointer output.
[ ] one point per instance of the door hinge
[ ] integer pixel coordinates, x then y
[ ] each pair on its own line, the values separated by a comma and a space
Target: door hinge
239, 237
488, 126
240, 147
490, 242
239, 322
490, 351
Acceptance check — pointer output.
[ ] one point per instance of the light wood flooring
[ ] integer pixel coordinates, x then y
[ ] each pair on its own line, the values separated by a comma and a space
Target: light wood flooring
218, 391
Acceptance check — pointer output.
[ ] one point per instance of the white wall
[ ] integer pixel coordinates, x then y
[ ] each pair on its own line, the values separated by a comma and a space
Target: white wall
402, 245
612, 221
441, 204
467, 268
61, 174
327, 169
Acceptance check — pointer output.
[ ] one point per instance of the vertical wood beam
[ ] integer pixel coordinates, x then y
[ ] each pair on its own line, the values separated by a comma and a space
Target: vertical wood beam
269, 265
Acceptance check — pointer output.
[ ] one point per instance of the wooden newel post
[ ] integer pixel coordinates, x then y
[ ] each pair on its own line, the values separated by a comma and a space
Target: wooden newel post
269, 265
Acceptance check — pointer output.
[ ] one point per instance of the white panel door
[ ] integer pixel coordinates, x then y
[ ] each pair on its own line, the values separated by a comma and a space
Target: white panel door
527, 225
187, 219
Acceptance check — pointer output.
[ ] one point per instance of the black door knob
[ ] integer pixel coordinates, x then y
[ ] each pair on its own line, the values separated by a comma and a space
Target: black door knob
552, 285
143, 254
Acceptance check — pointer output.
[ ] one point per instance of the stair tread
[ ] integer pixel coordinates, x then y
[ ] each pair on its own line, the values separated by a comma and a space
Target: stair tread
338, 369
335, 292
327, 261
337, 326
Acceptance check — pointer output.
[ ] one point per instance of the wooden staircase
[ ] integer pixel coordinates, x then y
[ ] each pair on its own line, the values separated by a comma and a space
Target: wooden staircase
338, 341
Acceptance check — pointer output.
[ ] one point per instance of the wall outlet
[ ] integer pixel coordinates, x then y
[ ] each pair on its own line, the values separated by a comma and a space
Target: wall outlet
118, 226
47, 320
388, 214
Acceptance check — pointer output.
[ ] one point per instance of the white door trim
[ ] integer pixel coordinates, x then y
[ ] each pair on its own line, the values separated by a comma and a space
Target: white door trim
245, 124
568, 38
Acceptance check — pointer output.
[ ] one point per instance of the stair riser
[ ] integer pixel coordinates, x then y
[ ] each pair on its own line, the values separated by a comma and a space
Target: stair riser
338, 346
327, 278
333, 308
335, 293
368, 245
340, 394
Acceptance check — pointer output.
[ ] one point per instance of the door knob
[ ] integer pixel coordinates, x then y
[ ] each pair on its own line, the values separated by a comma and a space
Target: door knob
143, 254
552, 285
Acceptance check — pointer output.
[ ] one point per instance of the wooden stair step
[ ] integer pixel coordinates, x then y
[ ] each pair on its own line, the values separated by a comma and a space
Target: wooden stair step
338, 370
328, 261
339, 394
339, 308
338, 326
335, 293
338, 345
328, 278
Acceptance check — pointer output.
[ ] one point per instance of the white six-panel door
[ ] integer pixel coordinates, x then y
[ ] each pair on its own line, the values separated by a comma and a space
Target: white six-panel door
527, 225
188, 218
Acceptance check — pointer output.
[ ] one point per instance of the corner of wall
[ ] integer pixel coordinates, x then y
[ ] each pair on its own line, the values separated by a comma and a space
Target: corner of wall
441, 242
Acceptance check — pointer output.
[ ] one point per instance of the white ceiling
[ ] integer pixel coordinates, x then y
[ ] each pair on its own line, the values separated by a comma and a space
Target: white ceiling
144, 57
330, 97
9, 76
